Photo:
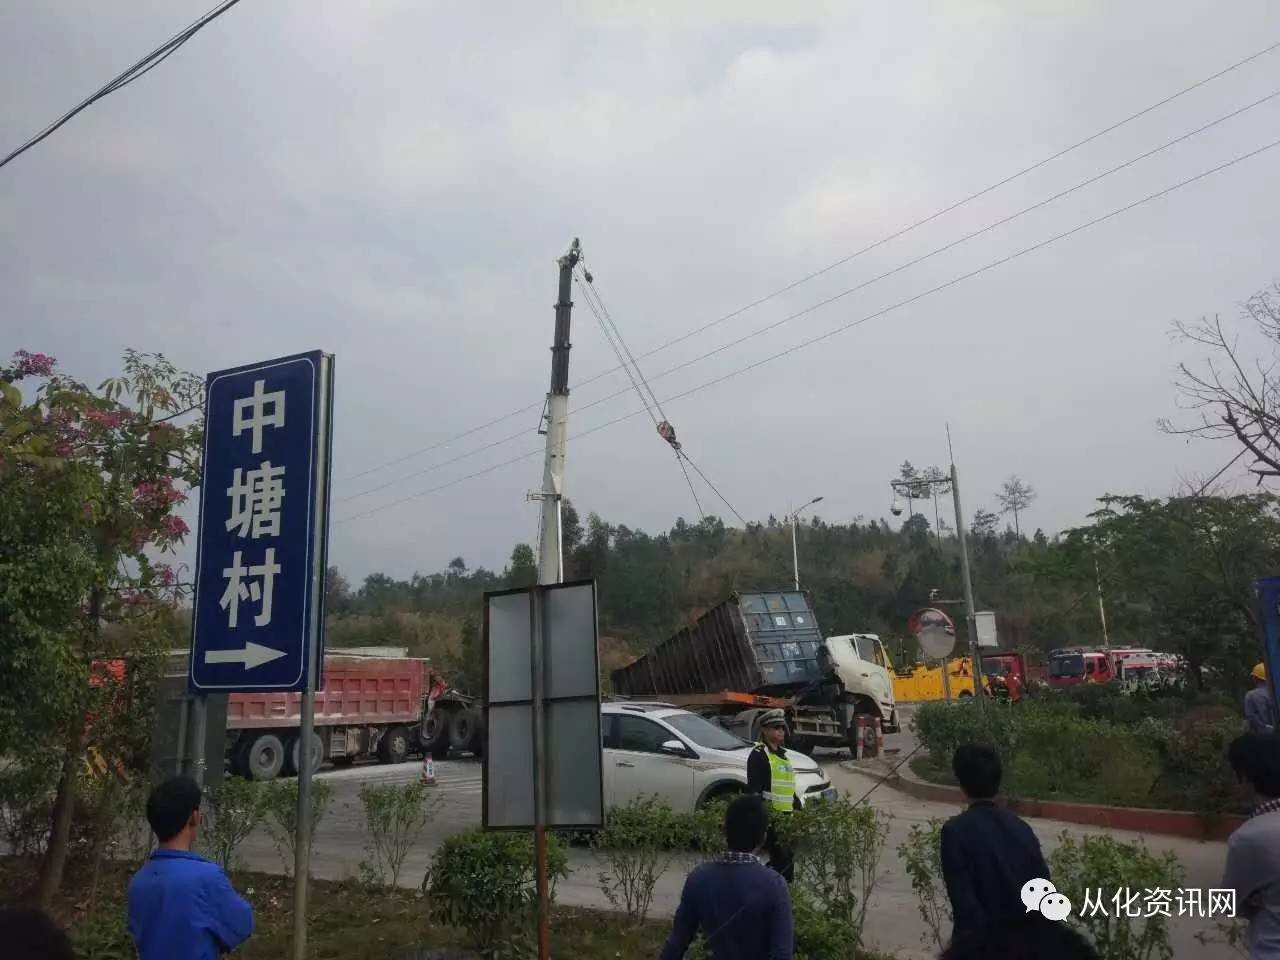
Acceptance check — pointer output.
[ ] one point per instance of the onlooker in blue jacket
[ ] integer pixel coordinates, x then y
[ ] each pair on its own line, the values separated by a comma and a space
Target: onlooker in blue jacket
988, 853
181, 906
742, 907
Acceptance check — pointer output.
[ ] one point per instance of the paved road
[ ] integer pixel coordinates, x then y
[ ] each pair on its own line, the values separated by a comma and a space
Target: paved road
893, 922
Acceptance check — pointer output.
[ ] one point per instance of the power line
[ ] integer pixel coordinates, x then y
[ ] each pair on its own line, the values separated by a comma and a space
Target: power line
853, 323
139, 69
845, 259
812, 308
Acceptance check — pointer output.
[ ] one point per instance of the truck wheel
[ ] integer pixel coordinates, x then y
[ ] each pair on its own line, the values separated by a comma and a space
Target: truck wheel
317, 753
265, 757
435, 730
464, 729
477, 732
394, 746
237, 757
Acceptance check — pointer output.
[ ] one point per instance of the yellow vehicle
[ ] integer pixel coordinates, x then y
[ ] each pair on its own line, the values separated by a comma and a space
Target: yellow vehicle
917, 681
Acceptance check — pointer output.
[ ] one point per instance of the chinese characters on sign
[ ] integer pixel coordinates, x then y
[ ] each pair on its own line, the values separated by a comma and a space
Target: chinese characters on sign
1186, 902
262, 533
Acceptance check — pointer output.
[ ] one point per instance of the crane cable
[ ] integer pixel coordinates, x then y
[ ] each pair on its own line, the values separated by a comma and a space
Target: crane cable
647, 397
664, 427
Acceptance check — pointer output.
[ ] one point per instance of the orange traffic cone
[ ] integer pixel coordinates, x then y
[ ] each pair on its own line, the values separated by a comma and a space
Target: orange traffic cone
428, 770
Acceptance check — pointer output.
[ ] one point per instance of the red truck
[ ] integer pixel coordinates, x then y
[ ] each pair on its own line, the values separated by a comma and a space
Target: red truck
369, 706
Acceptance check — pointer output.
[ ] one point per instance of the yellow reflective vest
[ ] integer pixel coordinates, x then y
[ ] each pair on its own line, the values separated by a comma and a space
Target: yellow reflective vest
781, 794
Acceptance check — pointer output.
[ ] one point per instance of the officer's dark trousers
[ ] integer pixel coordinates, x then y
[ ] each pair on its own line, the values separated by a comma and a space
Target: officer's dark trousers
780, 858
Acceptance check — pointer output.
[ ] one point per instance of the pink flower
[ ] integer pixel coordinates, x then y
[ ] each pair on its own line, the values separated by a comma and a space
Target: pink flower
135, 598
174, 526
33, 364
165, 574
109, 419
141, 537
86, 509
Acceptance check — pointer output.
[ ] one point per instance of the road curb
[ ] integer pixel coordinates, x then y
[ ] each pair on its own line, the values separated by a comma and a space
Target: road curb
1170, 823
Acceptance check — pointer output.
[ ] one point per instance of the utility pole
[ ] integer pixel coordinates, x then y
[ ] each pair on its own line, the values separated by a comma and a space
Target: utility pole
795, 555
550, 549
969, 614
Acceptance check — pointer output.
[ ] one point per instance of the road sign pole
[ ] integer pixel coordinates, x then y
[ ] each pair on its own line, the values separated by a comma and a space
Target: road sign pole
302, 837
199, 731
536, 606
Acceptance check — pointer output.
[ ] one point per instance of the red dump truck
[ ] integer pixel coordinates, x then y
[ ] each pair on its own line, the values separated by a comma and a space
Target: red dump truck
370, 706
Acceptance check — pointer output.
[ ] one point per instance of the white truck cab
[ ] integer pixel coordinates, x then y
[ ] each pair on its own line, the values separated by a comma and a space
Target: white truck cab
860, 662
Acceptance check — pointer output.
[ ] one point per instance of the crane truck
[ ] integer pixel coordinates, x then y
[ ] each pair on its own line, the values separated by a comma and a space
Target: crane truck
757, 651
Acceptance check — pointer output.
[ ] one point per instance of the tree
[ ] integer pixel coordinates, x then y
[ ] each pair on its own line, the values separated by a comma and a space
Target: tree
90, 481
1014, 496
570, 527
984, 524
522, 571
1236, 397
337, 592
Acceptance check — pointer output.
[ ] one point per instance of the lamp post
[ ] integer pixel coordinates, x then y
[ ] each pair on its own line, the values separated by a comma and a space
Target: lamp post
795, 556
901, 487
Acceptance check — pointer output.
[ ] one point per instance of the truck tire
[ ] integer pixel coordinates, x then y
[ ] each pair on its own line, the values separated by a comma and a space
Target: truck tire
265, 757
478, 731
237, 757
317, 753
465, 728
394, 745
435, 731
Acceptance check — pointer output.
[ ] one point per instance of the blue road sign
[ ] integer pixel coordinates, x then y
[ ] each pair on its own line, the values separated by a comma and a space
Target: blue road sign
263, 531
1267, 592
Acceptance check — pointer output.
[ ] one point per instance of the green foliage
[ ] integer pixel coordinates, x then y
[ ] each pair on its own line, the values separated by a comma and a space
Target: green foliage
395, 817
1100, 866
281, 804
635, 846
103, 935
26, 798
837, 846
484, 883
819, 933
942, 727
704, 828
921, 854
232, 813
1194, 772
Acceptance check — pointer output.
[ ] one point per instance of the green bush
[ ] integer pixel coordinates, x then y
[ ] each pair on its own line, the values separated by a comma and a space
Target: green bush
943, 726
26, 803
837, 847
395, 816
485, 884
921, 854
233, 811
282, 815
703, 829
102, 935
1099, 866
637, 845
819, 934
1193, 767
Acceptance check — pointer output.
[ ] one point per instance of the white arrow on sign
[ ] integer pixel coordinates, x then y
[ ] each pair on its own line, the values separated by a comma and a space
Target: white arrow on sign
253, 655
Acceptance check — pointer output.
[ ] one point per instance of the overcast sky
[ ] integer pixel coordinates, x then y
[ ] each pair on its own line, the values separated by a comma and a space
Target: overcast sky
392, 182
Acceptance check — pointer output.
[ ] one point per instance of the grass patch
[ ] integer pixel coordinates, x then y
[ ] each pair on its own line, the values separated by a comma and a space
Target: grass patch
344, 919
924, 767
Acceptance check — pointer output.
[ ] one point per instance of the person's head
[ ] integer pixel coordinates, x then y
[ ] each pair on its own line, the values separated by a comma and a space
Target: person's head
173, 810
1028, 936
1259, 674
1255, 757
977, 769
745, 823
27, 934
773, 728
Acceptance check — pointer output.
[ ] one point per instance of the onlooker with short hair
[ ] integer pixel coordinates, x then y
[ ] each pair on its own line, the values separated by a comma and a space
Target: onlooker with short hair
742, 907
29, 934
988, 853
182, 906
1028, 937
1253, 850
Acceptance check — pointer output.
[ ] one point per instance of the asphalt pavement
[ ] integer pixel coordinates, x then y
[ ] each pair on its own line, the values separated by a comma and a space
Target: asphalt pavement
893, 921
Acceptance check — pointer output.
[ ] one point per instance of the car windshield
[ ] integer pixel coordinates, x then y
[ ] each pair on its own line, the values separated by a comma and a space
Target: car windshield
705, 733
1072, 666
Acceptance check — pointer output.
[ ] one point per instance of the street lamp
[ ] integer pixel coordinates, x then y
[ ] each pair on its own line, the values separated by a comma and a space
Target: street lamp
901, 487
795, 557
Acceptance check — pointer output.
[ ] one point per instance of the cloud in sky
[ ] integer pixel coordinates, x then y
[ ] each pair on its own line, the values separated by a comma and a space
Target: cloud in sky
392, 182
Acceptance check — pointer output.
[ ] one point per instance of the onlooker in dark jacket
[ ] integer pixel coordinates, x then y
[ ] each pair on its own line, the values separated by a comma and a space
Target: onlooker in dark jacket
1028, 937
181, 906
988, 853
1253, 850
28, 934
1259, 708
742, 907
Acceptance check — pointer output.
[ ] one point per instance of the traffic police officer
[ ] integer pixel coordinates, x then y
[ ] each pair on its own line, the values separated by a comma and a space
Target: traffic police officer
770, 774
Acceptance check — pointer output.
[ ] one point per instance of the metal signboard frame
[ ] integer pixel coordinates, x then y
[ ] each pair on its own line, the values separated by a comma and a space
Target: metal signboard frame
264, 522
984, 622
542, 753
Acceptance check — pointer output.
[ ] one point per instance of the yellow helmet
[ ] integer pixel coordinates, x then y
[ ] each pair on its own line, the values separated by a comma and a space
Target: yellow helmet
1259, 672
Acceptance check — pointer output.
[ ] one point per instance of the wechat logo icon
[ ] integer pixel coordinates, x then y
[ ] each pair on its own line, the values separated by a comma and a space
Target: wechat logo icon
1041, 896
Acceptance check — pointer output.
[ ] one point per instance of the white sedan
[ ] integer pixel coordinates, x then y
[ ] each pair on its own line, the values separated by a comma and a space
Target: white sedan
684, 759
